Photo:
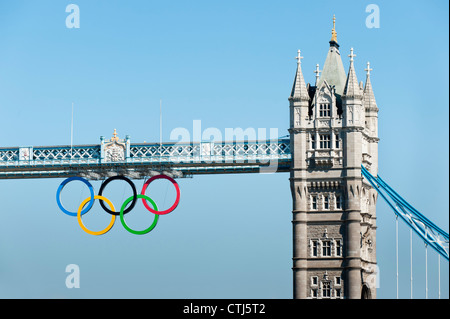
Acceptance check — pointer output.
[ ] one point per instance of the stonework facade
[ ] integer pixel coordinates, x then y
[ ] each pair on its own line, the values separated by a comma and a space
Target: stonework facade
334, 130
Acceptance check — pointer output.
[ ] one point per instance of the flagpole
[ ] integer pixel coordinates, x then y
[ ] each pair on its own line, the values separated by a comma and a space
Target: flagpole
71, 133
160, 122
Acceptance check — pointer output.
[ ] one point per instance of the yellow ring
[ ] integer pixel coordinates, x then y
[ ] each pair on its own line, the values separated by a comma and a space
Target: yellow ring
101, 232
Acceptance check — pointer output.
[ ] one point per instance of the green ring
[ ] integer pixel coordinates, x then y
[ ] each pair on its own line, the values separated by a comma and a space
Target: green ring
138, 232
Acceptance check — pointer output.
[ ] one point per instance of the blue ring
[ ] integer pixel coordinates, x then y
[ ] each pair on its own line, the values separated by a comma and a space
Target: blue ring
64, 183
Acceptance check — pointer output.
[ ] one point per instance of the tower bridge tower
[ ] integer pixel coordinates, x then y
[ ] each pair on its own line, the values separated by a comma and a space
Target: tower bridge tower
333, 131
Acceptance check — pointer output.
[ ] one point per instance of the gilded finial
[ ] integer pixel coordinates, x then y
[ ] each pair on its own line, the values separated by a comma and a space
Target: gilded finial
114, 138
333, 31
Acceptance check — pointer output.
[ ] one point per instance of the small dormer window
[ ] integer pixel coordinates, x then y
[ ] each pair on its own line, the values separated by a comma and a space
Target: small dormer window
324, 110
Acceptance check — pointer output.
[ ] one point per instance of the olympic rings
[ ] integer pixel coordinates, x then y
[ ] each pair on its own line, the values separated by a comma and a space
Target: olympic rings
102, 187
137, 232
177, 188
87, 204
64, 183
101, 232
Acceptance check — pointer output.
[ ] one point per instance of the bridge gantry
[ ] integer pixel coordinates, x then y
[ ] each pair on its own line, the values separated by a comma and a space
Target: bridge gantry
121, 157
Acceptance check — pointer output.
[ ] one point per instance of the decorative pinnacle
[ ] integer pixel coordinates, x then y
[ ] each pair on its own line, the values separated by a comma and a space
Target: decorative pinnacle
351, 55
299, 57
368, 68
317, 72
333, 31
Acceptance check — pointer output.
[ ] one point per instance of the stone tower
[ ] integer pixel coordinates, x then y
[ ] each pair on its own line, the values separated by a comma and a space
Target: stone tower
333, 131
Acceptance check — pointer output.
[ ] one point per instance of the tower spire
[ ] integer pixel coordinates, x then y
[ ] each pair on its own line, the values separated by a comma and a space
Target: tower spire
351, 86
299, 90
333, 70
368, 95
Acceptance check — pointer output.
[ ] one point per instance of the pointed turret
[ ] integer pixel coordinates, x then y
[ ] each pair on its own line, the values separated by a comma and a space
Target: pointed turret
370, 109
351, 85
299, 91
333, 70
368, 96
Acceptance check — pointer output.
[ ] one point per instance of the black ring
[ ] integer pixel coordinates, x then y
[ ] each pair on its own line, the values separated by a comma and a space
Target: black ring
134, 195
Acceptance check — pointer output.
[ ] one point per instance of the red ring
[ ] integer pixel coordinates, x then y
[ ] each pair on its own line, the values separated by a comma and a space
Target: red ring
177, 188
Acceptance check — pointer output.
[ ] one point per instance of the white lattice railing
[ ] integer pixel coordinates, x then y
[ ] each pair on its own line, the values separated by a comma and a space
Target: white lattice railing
9, 155
149, 152
210, 152
66, 153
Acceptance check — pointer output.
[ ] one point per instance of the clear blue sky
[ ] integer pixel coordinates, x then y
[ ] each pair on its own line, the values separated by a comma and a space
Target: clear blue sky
229, 64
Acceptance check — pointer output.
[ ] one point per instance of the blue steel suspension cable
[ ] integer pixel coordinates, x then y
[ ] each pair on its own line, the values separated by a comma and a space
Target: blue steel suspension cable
413, 215
424, 219
404, 204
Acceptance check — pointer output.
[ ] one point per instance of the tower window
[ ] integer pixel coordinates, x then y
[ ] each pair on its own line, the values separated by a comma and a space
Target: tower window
326, 203
326, 248
326, 289
337, 293
324, 110
337, 141
338, 253
314, 293
337, 281
314, 280
313, 141
325, 141
314, 202
314, 247
338, 202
